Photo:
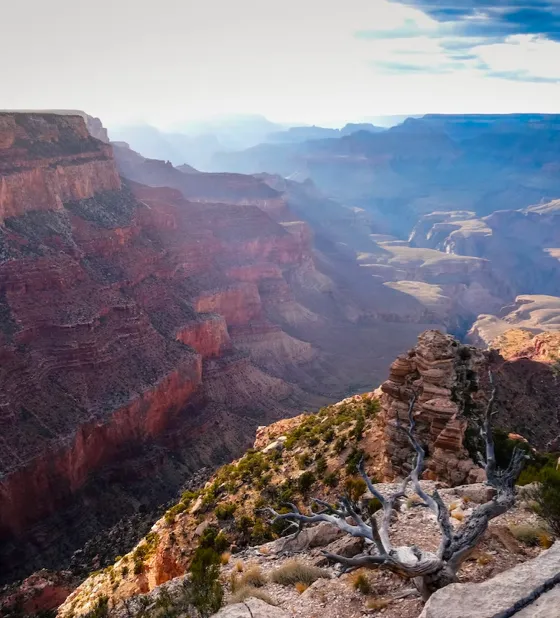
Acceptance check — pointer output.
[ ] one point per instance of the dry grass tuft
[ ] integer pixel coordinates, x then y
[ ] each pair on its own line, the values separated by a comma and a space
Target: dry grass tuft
361, 583
246, 592
239, 566
252, 577
483, 559
531, 535
225, 557
294, 572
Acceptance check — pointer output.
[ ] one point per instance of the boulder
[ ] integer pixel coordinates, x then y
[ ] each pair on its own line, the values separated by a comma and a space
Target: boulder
318, 536
495, 596
251, 608
477, 493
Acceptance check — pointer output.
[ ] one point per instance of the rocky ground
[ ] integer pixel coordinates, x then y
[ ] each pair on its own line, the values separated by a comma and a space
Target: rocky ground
337, 597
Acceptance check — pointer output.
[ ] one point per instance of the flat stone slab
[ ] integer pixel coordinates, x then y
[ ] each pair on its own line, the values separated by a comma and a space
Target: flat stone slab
490, 598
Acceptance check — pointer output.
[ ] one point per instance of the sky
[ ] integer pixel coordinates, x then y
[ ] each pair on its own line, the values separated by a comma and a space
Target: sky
295, 61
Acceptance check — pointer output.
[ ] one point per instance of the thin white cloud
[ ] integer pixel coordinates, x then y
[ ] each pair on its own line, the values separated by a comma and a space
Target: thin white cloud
168, 60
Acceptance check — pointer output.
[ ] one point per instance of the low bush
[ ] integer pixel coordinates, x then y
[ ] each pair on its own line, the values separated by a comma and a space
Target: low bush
305, 482
331, 479
529, 535
252, 577
355, 487
225, 511
546, 498
353, 460
294, 572
320, 465
361, 583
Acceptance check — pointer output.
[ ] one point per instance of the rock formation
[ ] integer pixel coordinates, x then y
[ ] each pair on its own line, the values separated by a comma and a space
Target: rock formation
521, 244
450, 381
532, 589
531, 314
142, 331
442, 374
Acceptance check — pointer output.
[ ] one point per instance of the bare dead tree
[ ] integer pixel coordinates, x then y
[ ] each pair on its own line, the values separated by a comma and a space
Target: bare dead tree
427, 570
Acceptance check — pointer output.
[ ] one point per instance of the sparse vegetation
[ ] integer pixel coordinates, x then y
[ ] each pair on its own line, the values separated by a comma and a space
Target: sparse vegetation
531, 535
294, 572
247, 592
361, 583
225, 511
252, 577
305, 482
546, 497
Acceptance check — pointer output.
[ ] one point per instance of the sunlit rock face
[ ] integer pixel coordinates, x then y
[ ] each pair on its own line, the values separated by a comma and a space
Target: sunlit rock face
146, 331
450, 383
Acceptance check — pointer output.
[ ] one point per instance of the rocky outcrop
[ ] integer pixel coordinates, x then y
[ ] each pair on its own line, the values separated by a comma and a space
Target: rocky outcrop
531, 314
252, 608
521, 244
529, 590
450, 382
47, 159
442, 375
40, 593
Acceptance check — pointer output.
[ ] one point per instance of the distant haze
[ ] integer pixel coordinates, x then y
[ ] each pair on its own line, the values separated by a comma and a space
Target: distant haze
164, 62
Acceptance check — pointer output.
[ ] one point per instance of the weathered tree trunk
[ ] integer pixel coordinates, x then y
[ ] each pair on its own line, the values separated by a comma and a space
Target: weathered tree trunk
427, 571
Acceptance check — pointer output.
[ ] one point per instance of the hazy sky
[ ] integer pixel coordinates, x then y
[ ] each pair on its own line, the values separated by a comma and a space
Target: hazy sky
314, 61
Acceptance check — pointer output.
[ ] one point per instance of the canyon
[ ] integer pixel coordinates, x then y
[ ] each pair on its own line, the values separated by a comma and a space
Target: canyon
153, 316
148, 330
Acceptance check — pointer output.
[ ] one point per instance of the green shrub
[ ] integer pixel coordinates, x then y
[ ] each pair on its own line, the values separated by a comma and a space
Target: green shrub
371, 407
205, 590
331, 479
546, 497
358, 431
303, 460
225, 511
320, 465
305, 481
244, 524
340, 445
260, 533
353, 460
374, 505
355, 488
252, 466
214, 539
294, 572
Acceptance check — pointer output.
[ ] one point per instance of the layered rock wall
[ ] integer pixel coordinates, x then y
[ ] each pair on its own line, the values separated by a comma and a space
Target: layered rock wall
46, 160
443, 376
120, 306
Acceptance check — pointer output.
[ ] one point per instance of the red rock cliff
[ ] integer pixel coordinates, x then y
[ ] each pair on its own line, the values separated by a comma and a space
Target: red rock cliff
46, 160
116, 302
